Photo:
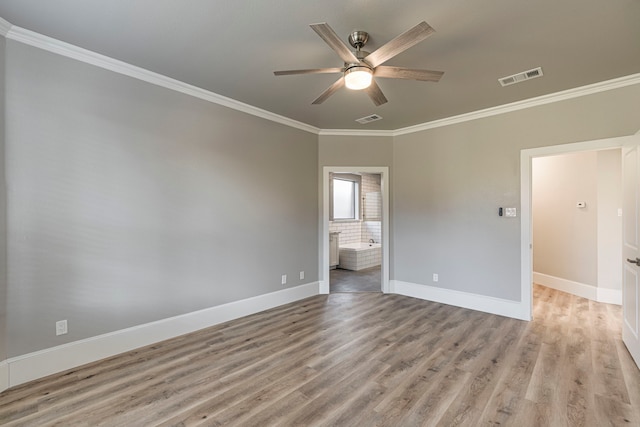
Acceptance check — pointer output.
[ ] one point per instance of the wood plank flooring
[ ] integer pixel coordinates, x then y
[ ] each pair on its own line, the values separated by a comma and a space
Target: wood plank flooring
359, 359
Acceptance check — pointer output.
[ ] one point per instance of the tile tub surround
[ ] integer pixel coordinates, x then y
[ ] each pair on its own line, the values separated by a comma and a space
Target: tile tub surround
358, 256
357, 231
350, 231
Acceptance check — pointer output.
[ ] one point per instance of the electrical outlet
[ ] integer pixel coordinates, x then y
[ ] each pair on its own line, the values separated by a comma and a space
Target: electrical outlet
435, 277
61, 327
284, 279
302, 275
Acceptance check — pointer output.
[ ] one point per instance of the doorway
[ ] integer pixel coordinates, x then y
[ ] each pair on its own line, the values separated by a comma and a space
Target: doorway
325, 264
355, 234
526, 238
577, 223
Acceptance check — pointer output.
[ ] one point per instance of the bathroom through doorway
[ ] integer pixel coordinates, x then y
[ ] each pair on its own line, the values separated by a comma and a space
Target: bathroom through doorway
355, 237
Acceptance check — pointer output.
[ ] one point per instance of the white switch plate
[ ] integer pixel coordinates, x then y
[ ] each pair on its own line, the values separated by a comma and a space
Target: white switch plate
619, 211
510, 212
302, 275
284, 279
581, 204
61, 327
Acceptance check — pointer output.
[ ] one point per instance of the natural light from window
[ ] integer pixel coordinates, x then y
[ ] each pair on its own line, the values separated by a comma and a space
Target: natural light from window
345, 199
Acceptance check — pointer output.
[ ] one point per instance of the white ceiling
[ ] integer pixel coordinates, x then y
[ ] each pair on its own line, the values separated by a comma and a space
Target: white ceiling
232, 47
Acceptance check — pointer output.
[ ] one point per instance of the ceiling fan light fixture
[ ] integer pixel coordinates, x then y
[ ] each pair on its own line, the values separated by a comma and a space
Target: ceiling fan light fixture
360, 66
358, 77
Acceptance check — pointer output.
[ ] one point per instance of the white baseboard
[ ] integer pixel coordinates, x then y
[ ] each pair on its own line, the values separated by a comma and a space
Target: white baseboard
323, 287
39, 364
609, 296
605, 295
4, 376
564, 285
477, 302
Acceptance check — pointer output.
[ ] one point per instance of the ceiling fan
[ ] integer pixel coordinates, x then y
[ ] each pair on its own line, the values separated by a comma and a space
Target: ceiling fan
360, 67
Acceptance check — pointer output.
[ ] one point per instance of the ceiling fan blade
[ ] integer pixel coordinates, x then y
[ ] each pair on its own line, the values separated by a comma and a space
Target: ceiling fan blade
331, 38
330, 91
398, 45
309, 71
376, 94
407, 73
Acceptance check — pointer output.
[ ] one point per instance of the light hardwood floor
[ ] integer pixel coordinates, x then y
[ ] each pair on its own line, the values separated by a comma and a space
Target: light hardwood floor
360, 359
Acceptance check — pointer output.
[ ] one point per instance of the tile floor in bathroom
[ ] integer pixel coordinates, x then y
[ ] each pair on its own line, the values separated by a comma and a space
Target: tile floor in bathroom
367, 280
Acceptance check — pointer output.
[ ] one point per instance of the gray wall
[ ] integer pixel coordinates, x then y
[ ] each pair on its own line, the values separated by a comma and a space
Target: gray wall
448, 183
358, 151
355, 151
130, 203
3, 213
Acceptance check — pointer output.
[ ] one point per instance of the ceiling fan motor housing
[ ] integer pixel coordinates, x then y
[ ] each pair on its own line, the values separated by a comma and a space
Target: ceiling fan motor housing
360, 54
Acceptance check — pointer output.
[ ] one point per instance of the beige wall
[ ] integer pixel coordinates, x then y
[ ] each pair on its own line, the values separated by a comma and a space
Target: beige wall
609, 222
565, 237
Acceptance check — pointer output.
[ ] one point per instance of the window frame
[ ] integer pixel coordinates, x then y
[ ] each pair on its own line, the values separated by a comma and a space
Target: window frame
357, 182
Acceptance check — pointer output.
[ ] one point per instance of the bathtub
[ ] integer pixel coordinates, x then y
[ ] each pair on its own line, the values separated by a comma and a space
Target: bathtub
357, 256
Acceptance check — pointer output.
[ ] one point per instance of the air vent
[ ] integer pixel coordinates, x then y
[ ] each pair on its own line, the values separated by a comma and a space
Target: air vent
369, 119
520, 77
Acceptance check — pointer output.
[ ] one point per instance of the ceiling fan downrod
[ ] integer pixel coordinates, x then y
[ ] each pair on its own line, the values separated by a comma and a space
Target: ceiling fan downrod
358, 39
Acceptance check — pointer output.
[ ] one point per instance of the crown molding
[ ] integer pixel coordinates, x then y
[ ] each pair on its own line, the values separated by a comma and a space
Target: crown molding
577, 92
564, 95
74, 52
71, 51
355, 132
4, 27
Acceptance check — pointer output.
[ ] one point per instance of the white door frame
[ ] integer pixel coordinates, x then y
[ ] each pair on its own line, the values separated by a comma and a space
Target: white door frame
526, 226
630, 251
324, 228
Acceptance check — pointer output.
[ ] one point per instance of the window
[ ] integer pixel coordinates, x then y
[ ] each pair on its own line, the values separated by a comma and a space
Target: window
345, 199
